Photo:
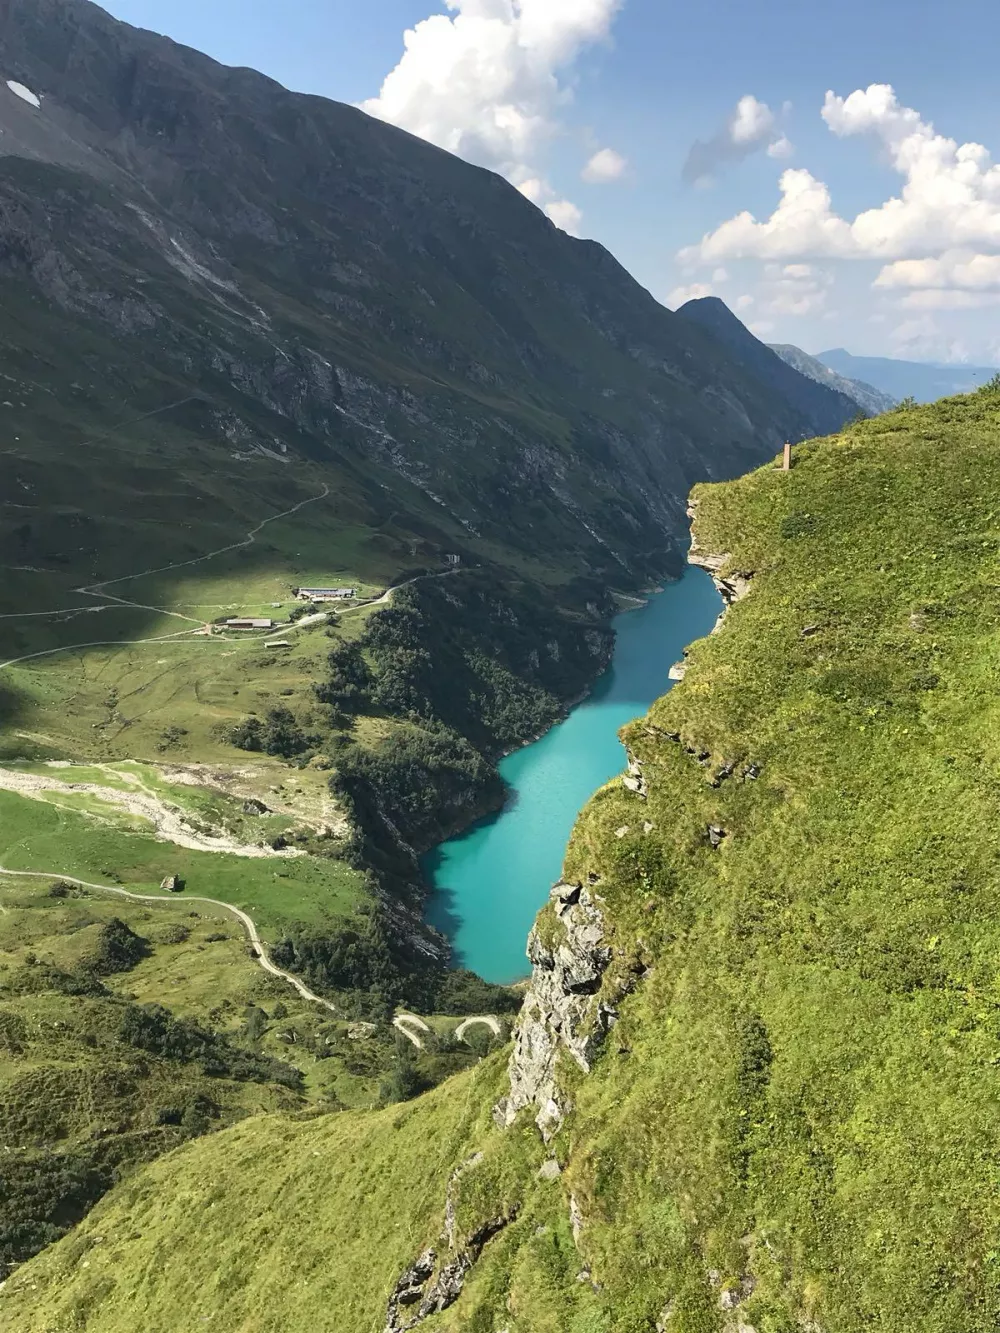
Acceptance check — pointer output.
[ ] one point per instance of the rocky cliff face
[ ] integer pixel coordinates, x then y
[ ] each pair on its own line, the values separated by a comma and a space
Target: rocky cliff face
562, 1014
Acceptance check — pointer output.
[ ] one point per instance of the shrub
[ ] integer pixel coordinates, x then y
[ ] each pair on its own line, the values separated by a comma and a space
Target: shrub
118, 949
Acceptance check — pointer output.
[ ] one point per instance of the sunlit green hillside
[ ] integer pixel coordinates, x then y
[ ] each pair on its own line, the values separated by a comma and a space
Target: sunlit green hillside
793, 1124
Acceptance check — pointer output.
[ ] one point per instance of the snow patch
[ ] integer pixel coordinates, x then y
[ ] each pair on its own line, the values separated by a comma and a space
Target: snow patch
25, 94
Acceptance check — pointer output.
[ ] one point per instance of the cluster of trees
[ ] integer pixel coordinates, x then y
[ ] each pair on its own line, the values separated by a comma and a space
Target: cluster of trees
375, 970
43, 1195
492, 661
277, 733
472, 665
425, 779
362, 959
349, 687
152, 1028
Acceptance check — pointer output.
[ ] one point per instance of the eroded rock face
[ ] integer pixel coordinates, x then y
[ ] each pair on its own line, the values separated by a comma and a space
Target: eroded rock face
561, 1012
415, 1288
736, 583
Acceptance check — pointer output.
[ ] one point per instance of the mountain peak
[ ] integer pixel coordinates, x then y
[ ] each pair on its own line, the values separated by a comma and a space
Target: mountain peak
823, 408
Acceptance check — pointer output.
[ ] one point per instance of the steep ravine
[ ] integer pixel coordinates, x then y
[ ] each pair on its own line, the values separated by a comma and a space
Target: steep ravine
571, 1006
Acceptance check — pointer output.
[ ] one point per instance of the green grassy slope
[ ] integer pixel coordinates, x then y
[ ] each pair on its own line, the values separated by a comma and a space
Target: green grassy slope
793, 1124
82, 1102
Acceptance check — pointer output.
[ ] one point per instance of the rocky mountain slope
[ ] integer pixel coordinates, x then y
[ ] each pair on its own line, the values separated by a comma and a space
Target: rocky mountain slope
323, 284
821, 408
869, 399
923, 380
754, 1085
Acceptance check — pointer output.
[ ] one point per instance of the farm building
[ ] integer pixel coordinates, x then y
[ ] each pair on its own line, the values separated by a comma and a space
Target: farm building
325, 594
248, 623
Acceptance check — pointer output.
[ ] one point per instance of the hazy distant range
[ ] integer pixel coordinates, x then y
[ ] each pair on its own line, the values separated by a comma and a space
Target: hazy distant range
925, 381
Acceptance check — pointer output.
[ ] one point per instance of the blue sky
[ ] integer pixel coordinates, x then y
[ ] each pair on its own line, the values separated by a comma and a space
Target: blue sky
785, 210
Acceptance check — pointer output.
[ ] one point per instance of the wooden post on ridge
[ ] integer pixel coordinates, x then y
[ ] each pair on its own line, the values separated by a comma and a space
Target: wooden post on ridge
786, 465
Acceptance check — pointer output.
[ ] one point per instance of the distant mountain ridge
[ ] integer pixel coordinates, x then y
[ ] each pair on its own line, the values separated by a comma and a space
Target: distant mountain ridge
924, 381
867, 397
823, 409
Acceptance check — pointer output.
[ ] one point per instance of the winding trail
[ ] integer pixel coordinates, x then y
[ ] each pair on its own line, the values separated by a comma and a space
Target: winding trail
486, 1021
124, 604
405, 1023
96, 590
248, 924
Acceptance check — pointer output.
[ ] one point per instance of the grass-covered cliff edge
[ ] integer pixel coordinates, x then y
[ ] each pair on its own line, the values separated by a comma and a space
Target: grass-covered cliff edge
779, 966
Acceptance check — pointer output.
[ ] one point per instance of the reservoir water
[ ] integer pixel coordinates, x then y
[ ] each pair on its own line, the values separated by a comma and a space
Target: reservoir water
490, 882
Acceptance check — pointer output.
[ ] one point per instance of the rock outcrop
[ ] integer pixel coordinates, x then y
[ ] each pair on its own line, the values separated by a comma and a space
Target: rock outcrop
733, 586
415, 1287
561, 1012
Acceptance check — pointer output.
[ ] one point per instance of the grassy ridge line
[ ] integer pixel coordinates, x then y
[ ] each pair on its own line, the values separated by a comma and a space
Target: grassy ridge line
793, 1124
813, 1053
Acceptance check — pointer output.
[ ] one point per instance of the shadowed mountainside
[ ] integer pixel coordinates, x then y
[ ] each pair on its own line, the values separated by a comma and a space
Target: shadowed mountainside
869, 399
823, 408
324, 283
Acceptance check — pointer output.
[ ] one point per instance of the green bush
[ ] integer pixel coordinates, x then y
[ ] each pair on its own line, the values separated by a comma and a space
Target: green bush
119, 948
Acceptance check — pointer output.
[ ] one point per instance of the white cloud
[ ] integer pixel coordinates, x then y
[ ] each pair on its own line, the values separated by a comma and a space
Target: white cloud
802, 224
939, 299
921, 339
562, 212
752, 121
950, 198
535, 189
680, 295
954, 268
788, 290
720, 275
793, 300
484, 82
565, 215
751, 126
605, 166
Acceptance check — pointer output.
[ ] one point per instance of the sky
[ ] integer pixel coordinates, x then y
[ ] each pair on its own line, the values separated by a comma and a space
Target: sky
824, 169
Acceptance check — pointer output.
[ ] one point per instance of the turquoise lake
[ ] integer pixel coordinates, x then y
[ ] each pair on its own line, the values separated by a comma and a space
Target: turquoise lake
490, 882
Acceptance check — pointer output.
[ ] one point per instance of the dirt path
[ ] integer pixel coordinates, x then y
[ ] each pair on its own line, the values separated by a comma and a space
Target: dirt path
169, 823
486, 1021
248, 924
96, 590
405, 1023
